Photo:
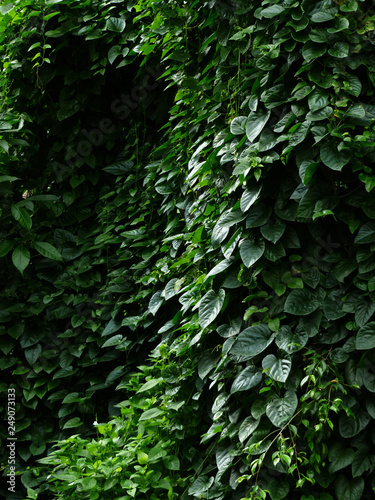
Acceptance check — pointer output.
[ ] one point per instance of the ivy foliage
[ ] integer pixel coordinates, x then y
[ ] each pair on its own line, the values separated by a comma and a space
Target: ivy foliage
187, 237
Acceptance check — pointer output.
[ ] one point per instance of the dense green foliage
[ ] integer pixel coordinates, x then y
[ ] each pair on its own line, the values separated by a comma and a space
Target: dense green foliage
187, 236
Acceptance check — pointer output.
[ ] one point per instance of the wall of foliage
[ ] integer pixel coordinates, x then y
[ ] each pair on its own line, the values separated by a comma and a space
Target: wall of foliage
186, 243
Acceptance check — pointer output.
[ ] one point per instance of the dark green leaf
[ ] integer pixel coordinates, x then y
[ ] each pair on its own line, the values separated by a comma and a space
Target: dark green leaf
252, 341
349, 489
247, 379
333, 158
116, 24
210, 307
301, 302
276, 368
281, 410
255, 123
251, 251
47, 250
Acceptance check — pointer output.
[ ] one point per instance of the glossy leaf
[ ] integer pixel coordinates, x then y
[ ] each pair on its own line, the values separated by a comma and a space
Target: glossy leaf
210, 307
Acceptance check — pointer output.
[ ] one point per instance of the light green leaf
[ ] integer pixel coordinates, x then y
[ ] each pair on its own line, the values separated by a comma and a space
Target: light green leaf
47, 250
151, 414
277, 369
171, 462
255, 123
116, 24
301, 302
88, 483
252, 341
210, 307
248, 378
150, 384
21, 258
281, 410
251, 251
5, 8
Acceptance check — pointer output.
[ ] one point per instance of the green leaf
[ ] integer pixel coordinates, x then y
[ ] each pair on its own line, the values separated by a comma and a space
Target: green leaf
318, 99
313, 50
5, 248
237, 125
116, 24
277, 369
251, 251
366, 234
201, 486
322, 16
333, 158
273, 230
171, 462
33, 353
47, 250
5, 8
210, 307
272, 11
21, 258
340, 457
255, 123
88, 483
280, 410
349, 489
150, 384
290, 341
248, 378
155, 302
366, 337
151, 414
247, 427
22, 216
362, 461
252, 341
339, 50
259, 215
350, 426
113, 53
278, 488
157, 451
73, 422
301, 302
249, 197
8, 178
